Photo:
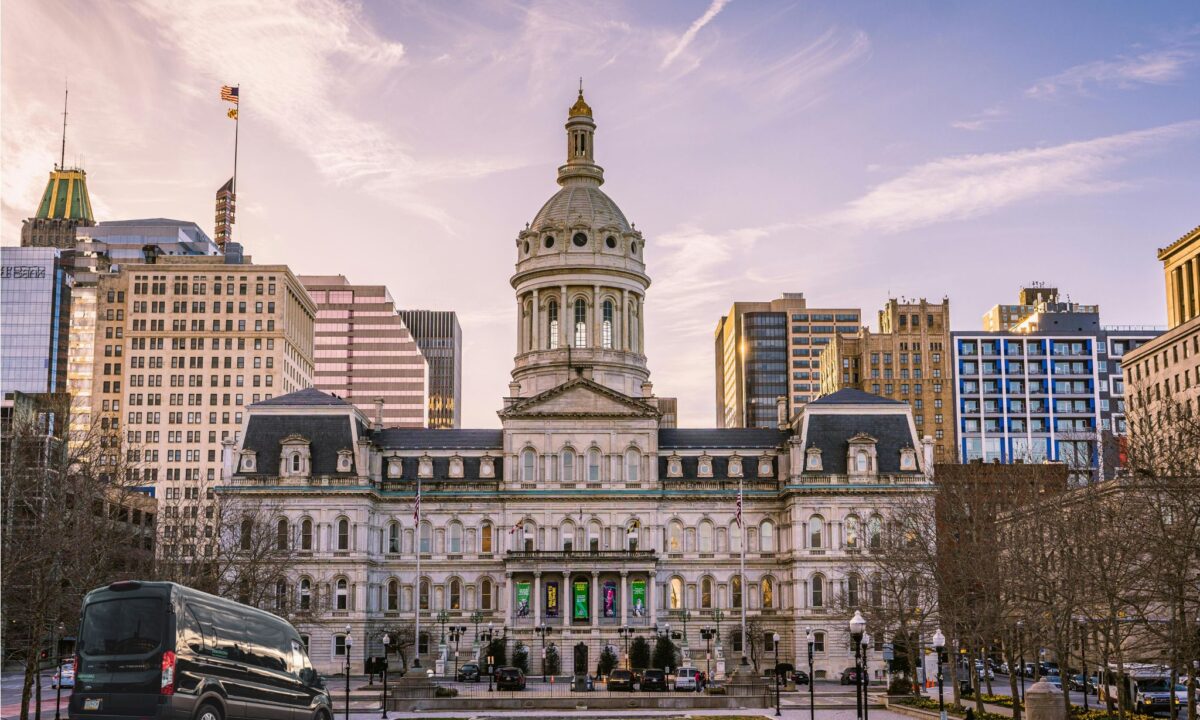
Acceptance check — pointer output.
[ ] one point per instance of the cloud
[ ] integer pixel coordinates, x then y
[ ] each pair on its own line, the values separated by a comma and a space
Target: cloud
1152, 68
686, 39
979, 120
967, 186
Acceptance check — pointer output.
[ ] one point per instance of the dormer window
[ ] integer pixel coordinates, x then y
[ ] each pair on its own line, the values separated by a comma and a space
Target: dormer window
862, 463
296, 462
345, 462
735, 466
295, 456
704, 467
395, 468
861, 458
675, 466
812, 460
248, 460
456, 467
908, 459
765, 467
425, 467
487, 467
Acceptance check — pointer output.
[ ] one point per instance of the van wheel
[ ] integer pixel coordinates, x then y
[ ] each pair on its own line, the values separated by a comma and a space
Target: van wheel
208, 711
322, 715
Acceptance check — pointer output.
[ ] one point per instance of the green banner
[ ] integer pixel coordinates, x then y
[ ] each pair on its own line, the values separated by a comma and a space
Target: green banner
523, 599
581, 600
637, 592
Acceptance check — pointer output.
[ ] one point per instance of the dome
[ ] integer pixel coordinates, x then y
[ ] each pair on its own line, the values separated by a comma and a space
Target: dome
581, 204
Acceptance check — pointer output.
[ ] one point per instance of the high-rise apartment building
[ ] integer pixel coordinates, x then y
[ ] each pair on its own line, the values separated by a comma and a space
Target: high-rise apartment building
1002, 317
1049, 388
174, 348
35, 302
65, 207
1167, 369
365, 353
907, 360
768, 350
439, 337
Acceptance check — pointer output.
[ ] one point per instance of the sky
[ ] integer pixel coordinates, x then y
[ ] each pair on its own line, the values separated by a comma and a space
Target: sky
852, 151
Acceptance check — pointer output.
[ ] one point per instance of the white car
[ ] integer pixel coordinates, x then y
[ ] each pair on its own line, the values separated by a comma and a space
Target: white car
685, 678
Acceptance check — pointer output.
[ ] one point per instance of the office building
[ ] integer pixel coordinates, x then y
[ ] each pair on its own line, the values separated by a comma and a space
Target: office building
770, 350
907, 360
669, 407
124, 241
1002, 317
35, 302
1049, 388
65, 207
439, 338
364, 352
226, 210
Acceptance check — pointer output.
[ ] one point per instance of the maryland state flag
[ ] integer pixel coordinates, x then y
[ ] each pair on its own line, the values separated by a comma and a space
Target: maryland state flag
232, 114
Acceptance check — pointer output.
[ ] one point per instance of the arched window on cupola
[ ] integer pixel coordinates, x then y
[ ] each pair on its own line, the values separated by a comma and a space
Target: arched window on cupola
580, 323
552, 329
607, 328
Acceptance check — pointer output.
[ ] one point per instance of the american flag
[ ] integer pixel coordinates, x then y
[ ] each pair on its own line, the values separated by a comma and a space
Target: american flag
229, 93
738, 515
520, 524
417, 506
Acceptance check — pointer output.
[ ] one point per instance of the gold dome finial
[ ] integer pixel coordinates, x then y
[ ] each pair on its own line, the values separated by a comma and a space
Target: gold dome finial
580, 108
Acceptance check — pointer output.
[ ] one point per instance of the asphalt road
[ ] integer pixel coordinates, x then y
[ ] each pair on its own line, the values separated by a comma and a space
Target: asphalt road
10, 696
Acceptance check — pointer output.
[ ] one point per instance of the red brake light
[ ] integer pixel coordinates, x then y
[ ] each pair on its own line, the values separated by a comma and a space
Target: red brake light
168, 673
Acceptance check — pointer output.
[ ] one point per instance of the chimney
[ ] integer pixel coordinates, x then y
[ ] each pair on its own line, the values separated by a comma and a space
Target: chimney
647, 389
927, 453
781, 414
228, 462
378, 424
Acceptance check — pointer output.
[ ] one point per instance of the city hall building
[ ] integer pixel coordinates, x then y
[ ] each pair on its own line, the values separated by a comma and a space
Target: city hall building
582, 514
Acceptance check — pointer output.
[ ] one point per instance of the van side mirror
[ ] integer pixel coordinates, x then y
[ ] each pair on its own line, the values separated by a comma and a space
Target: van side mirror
309, 677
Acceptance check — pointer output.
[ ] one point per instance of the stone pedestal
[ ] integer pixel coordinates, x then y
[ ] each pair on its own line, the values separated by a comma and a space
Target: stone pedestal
1043, 701
749, 689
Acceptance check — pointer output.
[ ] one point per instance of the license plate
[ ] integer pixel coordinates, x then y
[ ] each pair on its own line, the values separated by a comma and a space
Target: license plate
91, 704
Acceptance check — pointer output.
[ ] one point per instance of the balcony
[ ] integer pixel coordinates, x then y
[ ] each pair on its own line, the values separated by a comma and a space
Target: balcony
580, 559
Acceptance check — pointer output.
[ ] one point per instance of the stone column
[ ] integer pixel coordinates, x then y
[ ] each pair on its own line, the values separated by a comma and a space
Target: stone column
566, 602
595, 598
641, 326
652, 596
537, 598
624, 597
624, 342
508, 598
537, 323
566, 318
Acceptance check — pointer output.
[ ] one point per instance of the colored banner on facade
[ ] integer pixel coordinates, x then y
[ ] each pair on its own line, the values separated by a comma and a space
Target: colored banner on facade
522, 599
637, 594
552, 599
610, 598
581, 600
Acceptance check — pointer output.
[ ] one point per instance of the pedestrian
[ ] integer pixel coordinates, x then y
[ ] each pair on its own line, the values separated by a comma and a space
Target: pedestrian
970, 715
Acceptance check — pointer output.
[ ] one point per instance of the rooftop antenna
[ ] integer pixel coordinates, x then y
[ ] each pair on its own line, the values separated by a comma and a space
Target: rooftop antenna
62, 158
580, 84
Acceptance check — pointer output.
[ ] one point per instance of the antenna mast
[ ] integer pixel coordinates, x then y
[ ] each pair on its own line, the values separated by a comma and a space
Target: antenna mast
62, 158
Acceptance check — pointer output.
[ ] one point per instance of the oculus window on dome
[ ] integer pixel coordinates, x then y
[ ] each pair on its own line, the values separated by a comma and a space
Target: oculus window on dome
580, 239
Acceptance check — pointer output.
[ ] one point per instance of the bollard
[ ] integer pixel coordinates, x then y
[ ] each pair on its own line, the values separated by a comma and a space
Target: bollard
1043, 701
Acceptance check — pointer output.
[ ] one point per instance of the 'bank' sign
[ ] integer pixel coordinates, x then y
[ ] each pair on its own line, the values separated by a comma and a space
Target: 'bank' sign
19, 272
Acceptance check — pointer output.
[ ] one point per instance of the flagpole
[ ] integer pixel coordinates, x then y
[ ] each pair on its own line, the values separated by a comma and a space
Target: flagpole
417, 604
237, 120
742, 578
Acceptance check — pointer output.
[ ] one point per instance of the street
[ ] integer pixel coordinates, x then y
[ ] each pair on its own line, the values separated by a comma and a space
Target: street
10, 696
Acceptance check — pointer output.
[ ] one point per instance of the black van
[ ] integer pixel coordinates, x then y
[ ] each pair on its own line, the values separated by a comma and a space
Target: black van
161, 650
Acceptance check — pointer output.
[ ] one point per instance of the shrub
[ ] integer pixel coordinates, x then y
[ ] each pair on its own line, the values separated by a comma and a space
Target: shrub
445, 692
521, 657
553, 663
715, 689
498, 650
664, 653
608, 661
901, 686
639, 653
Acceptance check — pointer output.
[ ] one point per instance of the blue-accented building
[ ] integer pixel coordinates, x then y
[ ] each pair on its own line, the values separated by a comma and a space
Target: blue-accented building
35, 302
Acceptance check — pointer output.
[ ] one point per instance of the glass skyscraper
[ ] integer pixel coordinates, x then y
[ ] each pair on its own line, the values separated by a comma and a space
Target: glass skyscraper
35, 303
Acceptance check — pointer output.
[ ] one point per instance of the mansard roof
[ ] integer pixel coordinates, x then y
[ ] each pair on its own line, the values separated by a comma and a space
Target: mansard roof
832, 434
721, 438
308, 397
327, 434
853, 396
431, 439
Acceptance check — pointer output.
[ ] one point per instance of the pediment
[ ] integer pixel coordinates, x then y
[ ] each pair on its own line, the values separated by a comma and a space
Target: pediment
580, 397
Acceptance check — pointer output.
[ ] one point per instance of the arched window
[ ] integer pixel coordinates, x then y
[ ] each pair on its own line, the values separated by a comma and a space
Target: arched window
631, 534
426, 538
393, 596
676, 596
876, 592
456, 537
296, 462
485, 538
566, 536
343, 534
394, 537
675, 537
306, 534
281, 534
705, 537
818, 591
706, 593
861, 461
633, 463
580, 323
485, 594
816, 531
552, 328
456, 594
423, 595
528, 465
874, 532
766, 536
607, 328
768, 592
247, 533
852, 530
735, 537
568, 465
735, 591
305, 593
594, 532
593, 469
852, 591
341, 595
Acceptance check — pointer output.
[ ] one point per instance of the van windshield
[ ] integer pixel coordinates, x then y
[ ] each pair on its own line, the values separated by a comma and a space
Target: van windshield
122, 626
1156, 685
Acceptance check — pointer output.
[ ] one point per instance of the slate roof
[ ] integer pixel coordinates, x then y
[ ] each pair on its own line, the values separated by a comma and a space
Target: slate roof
326, 434
441, 469
689, 467
430, 439
308, 397
720, 438
852, 396
831, 433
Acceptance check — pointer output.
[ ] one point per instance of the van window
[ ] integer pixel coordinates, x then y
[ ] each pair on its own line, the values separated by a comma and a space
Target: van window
266, 645
124, 626
190, 633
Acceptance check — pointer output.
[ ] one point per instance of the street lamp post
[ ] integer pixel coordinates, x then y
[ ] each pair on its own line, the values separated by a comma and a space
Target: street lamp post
349, 646
1083, 662
476, 618
387, 640
487, 635
543, 630
443, 617
1021, 654
858, 624
625, 632
812, 697
718, 615
685, 614
456, 634
707, 634
866, 645
62, 629
939, 644
778, 679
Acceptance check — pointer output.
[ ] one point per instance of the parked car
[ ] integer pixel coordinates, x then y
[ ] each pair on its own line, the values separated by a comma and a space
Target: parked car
468, 673
654, 680
510, 678
621, 680
800, 677
1055, 680
849, 676
1078, 682
64, 676
686, 678
984, 671
158, 649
